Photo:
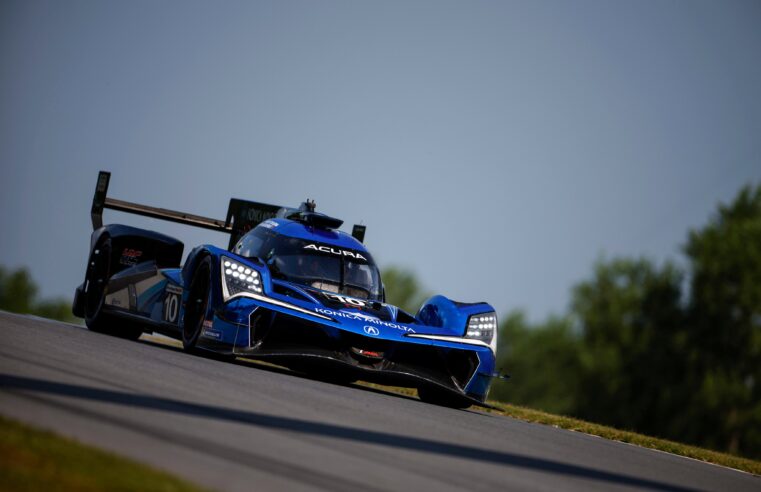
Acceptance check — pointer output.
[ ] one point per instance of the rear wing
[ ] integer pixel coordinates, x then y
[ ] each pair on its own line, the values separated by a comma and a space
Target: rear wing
242, 215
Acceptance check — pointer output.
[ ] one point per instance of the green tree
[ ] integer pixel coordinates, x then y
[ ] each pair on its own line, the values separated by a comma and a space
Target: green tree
59, 309
632, 333
403, 289
543, 363
18, 294
725, 327
17, 290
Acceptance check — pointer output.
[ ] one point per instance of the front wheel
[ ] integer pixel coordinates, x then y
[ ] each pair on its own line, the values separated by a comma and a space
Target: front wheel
197, 306
96, 281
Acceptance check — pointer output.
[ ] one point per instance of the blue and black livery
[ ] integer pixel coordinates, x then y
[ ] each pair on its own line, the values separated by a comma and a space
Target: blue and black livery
290, 288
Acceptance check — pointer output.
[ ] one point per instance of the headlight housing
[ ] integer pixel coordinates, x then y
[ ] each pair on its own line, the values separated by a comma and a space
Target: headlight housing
237, 278
482, 327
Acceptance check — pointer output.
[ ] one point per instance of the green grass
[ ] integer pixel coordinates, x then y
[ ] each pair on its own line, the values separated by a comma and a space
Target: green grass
707, 455
32, 460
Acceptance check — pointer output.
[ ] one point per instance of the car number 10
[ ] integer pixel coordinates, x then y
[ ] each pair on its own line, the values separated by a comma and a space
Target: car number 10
171, 307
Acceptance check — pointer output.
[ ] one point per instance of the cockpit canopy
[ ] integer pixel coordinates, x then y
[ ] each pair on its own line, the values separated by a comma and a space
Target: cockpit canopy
309, 262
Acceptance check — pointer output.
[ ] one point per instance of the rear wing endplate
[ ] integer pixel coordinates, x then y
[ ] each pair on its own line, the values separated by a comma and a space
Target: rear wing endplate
242, 215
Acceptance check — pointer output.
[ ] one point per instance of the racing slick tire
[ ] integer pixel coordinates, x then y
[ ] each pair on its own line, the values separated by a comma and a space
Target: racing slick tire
197, 306
442, 398
96, 280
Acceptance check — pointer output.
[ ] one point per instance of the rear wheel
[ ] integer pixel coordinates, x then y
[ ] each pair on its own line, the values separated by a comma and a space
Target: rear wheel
197, 305
441, 397
96, 280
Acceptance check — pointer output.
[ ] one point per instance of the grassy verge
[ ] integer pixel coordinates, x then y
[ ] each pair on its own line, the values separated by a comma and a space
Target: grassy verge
36, 460
707, 455
539, 417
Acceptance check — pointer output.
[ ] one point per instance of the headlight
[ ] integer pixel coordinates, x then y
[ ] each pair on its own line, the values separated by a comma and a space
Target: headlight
482, 327
237, 278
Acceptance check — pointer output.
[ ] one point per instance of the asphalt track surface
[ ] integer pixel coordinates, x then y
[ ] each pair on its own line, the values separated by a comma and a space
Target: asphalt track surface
237, 426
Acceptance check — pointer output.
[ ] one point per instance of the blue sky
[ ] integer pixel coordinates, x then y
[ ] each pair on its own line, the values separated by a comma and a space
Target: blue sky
496, 148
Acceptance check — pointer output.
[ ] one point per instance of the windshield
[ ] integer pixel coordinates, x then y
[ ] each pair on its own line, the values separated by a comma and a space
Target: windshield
323, 266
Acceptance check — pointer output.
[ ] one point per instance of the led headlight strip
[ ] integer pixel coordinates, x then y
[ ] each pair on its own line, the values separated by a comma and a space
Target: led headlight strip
482, 327
240, 280
481, 331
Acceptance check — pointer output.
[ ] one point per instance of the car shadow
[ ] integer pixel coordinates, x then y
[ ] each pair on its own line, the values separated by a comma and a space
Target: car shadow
270, 367
17, 383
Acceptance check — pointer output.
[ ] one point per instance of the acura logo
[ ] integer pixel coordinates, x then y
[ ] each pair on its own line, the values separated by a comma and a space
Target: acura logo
372, 331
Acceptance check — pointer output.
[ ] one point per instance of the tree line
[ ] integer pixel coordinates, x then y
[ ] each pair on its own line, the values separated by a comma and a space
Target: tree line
670, 351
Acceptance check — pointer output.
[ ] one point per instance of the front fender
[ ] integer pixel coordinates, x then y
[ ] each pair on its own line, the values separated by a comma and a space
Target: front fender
450, 316
200, 252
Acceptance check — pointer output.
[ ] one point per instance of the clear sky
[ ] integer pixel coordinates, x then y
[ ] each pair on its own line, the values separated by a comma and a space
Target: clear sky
496, 148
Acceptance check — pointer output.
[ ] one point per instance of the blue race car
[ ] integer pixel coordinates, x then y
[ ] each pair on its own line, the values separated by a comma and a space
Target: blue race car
291, 288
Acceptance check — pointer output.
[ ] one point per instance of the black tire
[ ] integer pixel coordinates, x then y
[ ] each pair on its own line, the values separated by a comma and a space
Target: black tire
96, 279
442, 398
197, 306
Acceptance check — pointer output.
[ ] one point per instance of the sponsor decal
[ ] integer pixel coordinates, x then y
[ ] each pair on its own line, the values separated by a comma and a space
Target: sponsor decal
130, 256
269, 224
336, 251
365, 318
371, 330
212, 334
371, 319
174, 289
115, 302
209, 332
255, 214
